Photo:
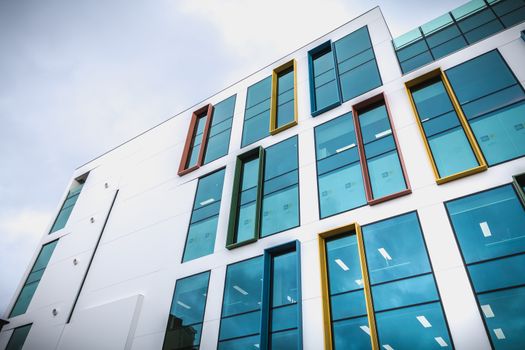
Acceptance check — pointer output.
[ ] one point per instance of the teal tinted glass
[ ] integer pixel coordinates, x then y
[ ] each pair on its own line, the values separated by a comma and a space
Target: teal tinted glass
384, 166
323, 79
220, 130
280, 203
488, 226
203, 224
245, 225
196, 141
494, 103
187, 313
340, 180
358, 72
67, 208
285, 113
257, 112
29, 288
448, 142
18, 338
241, 308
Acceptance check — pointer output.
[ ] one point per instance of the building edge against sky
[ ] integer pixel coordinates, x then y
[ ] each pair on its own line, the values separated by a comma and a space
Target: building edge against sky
341, 196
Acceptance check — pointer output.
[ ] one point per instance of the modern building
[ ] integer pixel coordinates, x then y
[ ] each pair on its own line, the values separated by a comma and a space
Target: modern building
363, 192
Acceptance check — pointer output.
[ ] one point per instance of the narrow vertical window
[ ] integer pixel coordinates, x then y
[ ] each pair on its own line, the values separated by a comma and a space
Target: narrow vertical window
356, 64
325, 93
18, 338
257, 112
69, 204
489, 229
493, 101
193, 153
200, 240
519, 185
220, 130
265, 197
184, 327
449, 141
339, 175
32, 281
284, 98
385, 174
241, 307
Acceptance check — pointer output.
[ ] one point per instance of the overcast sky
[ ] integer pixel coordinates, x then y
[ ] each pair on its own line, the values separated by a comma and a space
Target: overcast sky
79, 77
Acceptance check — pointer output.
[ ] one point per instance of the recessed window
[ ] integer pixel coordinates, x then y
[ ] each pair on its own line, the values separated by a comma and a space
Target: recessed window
265, 196
69, 204
32, 281
193, 154
489, 229
184, 327
449, 141
18, 338
200, 240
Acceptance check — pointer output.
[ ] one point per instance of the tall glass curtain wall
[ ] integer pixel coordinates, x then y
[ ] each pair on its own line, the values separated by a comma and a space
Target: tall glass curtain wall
67, 208
257, 112
184, 328
406, 303
35, 275
200, 239
382, 159
493, 101
220, 130
489, 229
452, 31
449, 145
343, 71
339, 177
18, 338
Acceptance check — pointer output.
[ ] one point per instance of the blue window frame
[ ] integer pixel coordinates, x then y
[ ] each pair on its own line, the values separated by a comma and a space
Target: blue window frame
32, 281
257, 112
184, 328
407, 305
18, 338
341, 71
493, 101
262, 301
489, 230
220, 130
339, 174
69, 204
200, 240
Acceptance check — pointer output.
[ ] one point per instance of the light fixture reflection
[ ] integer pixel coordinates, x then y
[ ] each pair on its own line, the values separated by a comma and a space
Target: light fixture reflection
341, 264
240, 290
487, 310
441, 342
186, 306
384, 253
424, 322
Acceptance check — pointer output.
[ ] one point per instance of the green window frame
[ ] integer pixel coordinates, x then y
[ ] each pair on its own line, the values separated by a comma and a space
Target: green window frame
185, 321
202, 230
18, 337
265, 180
69, 203
33, 279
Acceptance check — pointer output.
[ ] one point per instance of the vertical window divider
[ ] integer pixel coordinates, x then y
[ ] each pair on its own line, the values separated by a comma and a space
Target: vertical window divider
274, 100
230, 239
464, 124
361, 148
366, 283
208, 109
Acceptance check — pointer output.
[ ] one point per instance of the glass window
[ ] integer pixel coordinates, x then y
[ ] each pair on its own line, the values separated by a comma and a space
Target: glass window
382, 158
450, 148
285, 98
257, 112
340, 180
494, 103
67, 207
18, 338
184, 327
358, 72
280, 203
35, 275
324, 85
489, 229
404, 293
203, 224
241, 308
220, 130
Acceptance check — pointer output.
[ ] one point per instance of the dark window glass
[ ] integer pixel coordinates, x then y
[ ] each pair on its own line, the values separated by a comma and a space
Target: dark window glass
203, 223
257, 112
29, 288
67, 208
220, 130
18, 338
184, 327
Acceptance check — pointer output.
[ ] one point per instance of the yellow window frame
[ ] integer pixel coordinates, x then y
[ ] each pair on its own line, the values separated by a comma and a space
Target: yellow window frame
463, 120
327, 320
273, 104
